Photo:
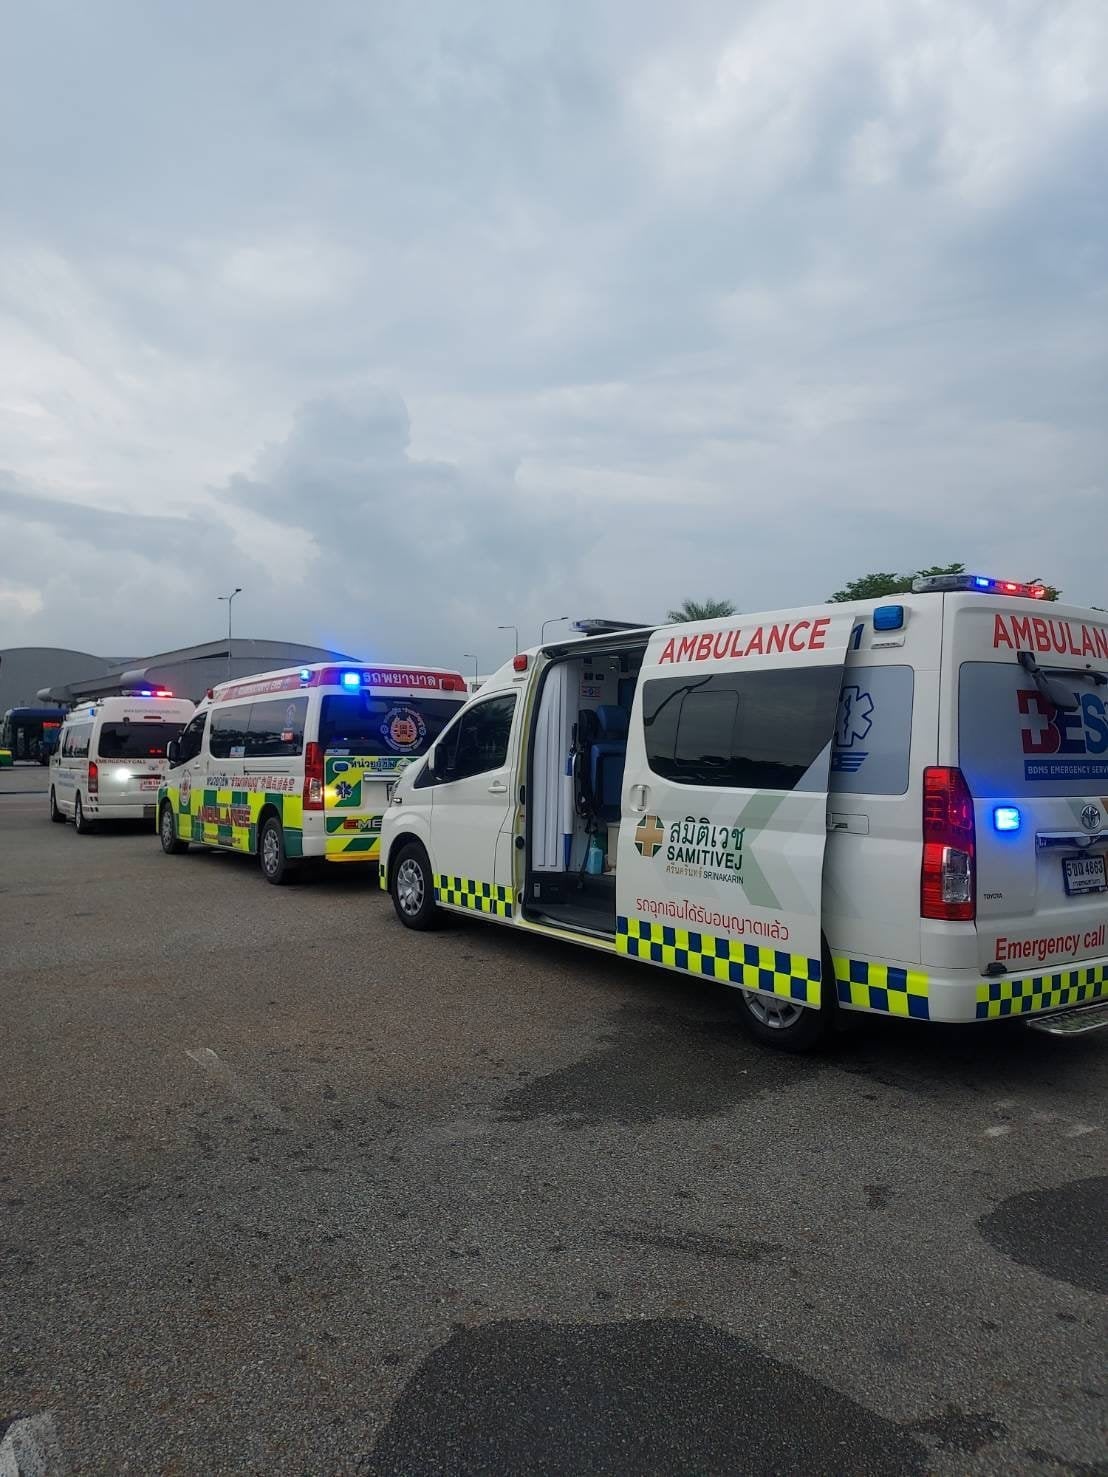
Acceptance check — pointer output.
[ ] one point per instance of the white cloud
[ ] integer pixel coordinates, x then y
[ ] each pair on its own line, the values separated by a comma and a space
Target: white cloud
414, 323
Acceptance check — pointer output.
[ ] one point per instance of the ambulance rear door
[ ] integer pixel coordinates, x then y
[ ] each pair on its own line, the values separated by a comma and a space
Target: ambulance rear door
370, 730
724, 814
1027, 717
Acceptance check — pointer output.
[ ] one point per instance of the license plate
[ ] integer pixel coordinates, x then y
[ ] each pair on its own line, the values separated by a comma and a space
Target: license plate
1084, 874
150, 784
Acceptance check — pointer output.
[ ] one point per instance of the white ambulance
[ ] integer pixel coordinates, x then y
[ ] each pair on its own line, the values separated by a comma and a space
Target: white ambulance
895, 806
298, 764
111, 757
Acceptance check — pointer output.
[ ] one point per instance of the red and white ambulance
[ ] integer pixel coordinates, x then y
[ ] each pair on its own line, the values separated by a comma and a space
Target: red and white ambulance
895, 806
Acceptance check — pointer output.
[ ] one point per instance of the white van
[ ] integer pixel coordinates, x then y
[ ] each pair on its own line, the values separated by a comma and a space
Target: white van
111, 758
895, 806
299, 763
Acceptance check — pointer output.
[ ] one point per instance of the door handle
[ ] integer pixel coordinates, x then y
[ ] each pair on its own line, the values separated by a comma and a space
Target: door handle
638, 797
498, 787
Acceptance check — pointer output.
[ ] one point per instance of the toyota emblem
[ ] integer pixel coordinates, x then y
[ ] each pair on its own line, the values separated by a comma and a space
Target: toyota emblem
1090, 817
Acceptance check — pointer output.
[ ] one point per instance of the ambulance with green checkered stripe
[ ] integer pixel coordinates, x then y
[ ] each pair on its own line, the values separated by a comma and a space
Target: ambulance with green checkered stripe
296, 766
891, 807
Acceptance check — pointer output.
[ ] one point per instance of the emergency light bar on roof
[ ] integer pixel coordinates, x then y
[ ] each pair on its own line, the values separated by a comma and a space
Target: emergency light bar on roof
605, 628
351, 679
983, 583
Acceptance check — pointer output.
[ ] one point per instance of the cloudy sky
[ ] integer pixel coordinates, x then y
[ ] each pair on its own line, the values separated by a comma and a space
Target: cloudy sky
417, 320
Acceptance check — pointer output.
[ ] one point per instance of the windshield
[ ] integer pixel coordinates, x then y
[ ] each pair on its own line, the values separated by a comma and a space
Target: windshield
1011, 738
359, 723
136, 740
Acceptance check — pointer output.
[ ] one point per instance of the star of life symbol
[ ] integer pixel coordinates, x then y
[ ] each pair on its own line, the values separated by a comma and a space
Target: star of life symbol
344, 789
855, 717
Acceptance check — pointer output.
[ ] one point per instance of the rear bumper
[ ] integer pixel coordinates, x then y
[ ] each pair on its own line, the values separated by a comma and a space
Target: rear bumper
123, 810
956, 996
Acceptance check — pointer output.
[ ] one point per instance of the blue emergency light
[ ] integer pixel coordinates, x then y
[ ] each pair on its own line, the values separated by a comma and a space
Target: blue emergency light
305, 674
933, 583
352, 679
888, 618
1006, 817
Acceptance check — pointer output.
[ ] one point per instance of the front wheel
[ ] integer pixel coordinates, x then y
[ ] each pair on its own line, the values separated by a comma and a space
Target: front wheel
81, 824
413, 889
172, 844
55, 814
272, 857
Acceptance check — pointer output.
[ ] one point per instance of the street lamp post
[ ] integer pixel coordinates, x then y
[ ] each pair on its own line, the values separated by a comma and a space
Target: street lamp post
553, 621
515, 630
471, 658
229, 599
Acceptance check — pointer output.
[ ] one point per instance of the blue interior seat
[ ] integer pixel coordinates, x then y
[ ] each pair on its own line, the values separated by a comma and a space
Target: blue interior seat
607, 757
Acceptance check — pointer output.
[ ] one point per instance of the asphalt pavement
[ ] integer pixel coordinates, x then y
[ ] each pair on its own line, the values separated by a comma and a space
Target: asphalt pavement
287, 1189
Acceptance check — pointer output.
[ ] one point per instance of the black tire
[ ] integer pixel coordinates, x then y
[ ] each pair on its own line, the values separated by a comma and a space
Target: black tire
81, 824
412, 889
172, 844
272, 857
55, 814
781, 1023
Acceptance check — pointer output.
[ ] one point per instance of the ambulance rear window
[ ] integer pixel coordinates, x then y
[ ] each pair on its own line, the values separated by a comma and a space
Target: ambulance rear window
136, 740
1012, 740
742, 730
360, 723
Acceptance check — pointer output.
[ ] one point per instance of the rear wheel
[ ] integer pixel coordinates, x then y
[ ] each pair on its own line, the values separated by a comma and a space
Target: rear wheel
55, 814
272, 857
81, 824
780, 1022
172, 844
413, 889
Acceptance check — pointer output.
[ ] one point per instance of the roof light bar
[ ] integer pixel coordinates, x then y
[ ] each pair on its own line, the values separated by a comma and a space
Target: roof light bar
930, 584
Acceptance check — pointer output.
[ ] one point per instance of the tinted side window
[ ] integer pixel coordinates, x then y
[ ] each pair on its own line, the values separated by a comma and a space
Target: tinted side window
276, 728
741, 730
76, 741
227, 739
192, 738
873, 731
478, 742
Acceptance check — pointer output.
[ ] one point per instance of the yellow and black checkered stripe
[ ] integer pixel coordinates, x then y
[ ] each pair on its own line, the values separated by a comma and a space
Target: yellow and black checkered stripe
1005, 997
229, 818
481, 897
792, 975
885, 987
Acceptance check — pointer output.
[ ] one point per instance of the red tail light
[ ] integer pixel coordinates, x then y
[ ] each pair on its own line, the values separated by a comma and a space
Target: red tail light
948, 882
93, 777
313, 777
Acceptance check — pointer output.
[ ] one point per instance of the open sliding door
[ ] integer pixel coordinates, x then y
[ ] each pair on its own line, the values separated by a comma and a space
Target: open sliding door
724, 814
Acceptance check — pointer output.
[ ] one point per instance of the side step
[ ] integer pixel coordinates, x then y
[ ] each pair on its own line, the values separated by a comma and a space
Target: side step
1075, 1022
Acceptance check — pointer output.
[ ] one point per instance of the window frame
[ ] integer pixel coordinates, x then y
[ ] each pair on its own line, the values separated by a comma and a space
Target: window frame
730, 774
230, 708
428, 777
197, 718
282, 750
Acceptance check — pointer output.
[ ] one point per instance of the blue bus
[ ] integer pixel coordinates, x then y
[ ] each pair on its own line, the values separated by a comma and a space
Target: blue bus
31, 733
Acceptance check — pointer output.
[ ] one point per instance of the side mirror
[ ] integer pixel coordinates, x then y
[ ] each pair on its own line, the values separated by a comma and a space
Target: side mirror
173, 751
438, 763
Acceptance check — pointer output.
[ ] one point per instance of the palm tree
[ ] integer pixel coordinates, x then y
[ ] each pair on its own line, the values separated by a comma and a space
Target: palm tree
701, 610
